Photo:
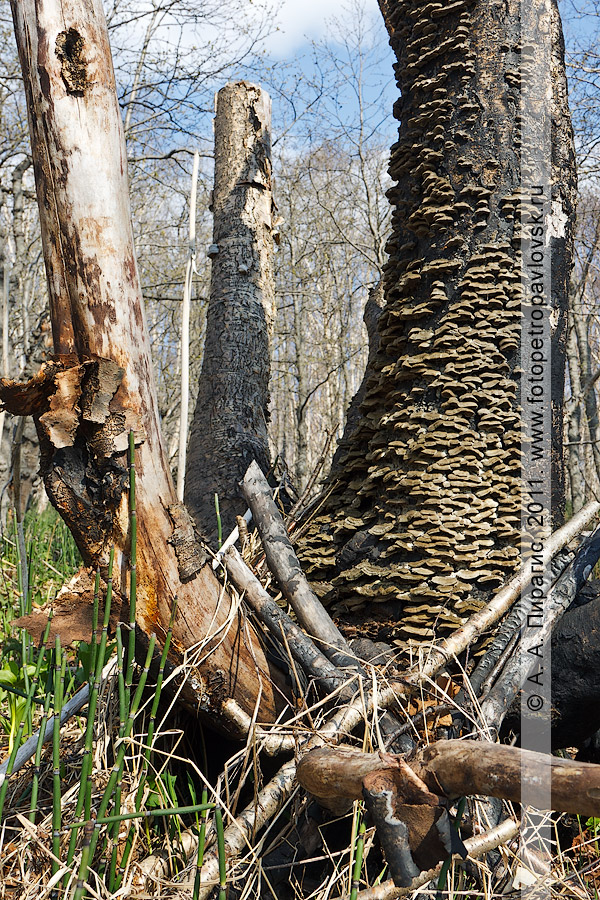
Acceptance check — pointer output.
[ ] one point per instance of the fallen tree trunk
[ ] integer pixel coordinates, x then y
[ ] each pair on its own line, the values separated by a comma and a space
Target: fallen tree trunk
100, 385
453, 769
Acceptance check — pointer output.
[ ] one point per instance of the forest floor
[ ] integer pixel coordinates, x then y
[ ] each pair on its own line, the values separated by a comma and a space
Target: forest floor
176, 783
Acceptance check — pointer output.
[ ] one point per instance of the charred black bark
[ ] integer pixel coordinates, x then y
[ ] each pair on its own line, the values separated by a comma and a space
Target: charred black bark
424, 522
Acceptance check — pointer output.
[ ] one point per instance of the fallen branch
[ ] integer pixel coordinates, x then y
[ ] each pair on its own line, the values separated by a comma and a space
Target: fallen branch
284, 565
302, 648
270, 800
502, 644
315, 664
272, 742
454, 769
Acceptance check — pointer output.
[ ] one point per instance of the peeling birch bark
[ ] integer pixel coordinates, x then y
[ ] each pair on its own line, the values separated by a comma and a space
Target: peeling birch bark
229, 427
101, 384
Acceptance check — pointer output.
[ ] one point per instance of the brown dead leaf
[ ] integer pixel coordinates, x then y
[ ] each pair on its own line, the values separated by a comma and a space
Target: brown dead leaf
72, 612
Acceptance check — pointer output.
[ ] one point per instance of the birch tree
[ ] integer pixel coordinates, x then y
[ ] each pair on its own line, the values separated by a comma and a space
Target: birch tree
100, 385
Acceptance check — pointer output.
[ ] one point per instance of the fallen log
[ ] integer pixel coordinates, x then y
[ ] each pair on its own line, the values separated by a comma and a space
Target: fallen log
451, 769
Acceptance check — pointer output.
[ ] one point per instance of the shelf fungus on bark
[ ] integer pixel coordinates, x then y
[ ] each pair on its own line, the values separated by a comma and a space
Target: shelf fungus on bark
430, 478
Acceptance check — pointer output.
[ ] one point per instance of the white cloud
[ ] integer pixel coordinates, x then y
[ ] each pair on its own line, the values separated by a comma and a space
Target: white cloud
299, 21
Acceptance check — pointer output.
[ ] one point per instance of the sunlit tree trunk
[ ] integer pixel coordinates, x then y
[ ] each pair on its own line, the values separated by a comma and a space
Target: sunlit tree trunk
100, 384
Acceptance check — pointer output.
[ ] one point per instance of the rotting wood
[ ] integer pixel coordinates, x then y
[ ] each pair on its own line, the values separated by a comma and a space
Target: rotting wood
454, 768
190, 556
101, 383
380, 798
417, 500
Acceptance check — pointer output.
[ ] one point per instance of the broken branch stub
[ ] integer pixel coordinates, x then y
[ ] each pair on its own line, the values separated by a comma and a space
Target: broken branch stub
101, 384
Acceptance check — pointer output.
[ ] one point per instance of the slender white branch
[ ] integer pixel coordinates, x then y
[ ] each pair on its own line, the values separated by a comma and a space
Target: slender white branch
185, 335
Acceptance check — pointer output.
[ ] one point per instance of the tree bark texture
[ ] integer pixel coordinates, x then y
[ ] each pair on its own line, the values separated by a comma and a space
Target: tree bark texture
372, 312
229, 428
423, 522
564, 200
100, 384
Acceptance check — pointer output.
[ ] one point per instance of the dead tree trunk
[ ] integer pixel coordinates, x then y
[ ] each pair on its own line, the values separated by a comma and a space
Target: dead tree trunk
229, 428
100, 384
422, 522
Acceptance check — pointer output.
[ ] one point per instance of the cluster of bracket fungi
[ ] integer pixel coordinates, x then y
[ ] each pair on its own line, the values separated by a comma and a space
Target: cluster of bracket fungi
425, 517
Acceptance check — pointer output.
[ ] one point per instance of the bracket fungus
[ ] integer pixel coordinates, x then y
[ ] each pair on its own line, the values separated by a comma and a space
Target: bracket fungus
432, 474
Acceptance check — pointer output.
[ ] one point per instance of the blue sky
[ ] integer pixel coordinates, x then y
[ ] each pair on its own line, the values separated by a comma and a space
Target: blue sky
299, 21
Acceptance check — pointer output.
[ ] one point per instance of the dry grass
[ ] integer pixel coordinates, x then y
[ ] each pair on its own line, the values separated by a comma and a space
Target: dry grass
278, 843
